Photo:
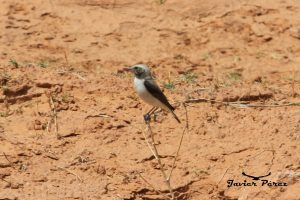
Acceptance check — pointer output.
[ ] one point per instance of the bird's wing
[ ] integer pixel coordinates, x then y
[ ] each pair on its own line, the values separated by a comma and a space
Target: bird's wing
153, 88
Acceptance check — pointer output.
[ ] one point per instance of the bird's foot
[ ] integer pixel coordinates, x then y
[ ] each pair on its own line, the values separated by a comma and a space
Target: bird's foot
155, 117
147, 118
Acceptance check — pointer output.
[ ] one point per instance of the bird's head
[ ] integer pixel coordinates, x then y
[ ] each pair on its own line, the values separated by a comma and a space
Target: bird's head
140, 71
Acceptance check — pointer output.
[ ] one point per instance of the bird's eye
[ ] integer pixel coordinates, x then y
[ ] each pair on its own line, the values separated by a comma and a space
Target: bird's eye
138, 69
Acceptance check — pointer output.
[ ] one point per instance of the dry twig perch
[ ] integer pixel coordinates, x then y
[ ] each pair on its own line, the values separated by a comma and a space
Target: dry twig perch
53, 116
149, 138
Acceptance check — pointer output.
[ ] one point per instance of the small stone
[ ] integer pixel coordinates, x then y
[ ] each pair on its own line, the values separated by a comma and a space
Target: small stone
73, 107
16, 186
41, 179
71, 133
295, 32
5, 165
49, 38
44, 85
267, 38
4, 173
258, 79
77, 51
214, 158
101, 170
37, 125
185, 173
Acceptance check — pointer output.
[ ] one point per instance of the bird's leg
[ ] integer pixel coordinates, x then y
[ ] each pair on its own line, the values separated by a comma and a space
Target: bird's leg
155, 113
147, 116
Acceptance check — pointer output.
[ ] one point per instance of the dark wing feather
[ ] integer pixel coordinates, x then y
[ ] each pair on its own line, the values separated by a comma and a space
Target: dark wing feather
153, 88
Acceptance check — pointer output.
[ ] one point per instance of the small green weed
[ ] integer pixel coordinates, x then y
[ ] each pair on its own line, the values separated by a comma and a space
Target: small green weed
206, 56
4, 114
14, 63
234, 76
260, 55
43, 63
169, 85
189, 77
160, 2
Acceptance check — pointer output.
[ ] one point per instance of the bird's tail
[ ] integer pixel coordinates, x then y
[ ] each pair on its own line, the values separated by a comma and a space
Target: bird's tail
174, 115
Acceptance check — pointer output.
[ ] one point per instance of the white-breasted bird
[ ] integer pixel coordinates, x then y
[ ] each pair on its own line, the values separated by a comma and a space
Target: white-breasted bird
149, 91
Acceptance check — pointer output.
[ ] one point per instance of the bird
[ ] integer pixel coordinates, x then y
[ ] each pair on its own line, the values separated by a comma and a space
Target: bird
149, 91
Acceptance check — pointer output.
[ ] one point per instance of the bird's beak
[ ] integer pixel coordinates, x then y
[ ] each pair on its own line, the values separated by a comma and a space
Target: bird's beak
127, 69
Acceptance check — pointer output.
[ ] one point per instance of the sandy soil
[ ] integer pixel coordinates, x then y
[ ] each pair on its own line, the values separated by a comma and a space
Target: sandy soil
70, 55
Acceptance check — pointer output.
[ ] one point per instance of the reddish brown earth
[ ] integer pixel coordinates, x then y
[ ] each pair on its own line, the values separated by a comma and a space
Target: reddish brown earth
73, 51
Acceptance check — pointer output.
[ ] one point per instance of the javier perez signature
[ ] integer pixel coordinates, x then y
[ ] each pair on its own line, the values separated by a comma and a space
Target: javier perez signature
232, 183
263, 182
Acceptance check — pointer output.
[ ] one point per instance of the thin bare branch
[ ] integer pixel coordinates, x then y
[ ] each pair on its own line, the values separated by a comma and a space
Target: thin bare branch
186, 128
6, 157
104, 115
266, 150
239, 104
148, 183
149, 145
70, 172
79, 76
157, 157
54, 115
223, 176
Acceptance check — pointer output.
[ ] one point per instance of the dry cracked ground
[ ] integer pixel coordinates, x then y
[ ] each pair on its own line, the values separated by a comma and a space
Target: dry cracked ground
71, 125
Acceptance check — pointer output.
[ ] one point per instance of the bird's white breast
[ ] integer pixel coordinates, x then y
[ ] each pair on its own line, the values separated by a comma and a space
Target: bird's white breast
139, 86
